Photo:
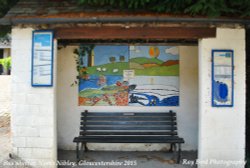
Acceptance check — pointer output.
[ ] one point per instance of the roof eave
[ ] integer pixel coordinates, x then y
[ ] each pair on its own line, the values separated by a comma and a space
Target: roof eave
122, 19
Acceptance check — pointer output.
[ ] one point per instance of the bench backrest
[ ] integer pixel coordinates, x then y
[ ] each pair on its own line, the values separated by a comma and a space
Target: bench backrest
127, 123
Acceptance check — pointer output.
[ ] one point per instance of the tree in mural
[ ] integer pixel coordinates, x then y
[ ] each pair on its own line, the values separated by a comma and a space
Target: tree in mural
112, 59
122, 58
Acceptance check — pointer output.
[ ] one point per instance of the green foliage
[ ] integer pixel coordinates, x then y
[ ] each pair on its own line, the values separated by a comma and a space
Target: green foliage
5, 5
210, 8
83, 51
6, 63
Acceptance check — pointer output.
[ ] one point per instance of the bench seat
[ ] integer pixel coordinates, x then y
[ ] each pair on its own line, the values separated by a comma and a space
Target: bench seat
127, 127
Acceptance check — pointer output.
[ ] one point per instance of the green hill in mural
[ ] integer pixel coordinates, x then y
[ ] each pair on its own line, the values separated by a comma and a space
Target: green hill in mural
159, 71
143, 60
115, 68
154, 67
98, 92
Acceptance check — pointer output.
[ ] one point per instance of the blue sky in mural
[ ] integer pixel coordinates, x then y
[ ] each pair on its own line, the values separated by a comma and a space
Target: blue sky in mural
102, 53
166, 52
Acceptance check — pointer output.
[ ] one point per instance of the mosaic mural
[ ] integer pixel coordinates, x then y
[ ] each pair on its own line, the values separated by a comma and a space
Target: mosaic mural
155, 79
105, 85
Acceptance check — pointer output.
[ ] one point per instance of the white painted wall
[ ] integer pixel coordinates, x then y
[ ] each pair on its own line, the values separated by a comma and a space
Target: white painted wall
33, 118
222, 130
69, 112
5, 97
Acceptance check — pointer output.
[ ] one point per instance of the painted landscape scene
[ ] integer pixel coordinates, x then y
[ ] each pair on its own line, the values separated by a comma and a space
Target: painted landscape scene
155, 81
105, 85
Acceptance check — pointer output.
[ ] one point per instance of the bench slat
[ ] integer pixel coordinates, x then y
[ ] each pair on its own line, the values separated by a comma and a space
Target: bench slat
128, 128
131, 118
124, 123
131, 139
128, 114
127, 133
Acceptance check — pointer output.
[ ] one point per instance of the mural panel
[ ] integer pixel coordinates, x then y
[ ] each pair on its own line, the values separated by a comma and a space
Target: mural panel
104, 84
154, 80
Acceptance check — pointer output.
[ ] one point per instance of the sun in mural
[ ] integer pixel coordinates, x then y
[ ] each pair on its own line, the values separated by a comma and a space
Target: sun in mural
154, 51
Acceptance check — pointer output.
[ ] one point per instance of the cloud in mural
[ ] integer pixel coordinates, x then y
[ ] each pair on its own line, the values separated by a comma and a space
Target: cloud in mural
131, 48
172, 50
135, 49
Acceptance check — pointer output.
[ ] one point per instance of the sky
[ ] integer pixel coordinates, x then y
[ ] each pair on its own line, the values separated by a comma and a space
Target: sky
104, 52
166, 52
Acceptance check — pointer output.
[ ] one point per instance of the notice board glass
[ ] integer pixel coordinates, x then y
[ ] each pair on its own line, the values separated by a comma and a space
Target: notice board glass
222, 78
42, 59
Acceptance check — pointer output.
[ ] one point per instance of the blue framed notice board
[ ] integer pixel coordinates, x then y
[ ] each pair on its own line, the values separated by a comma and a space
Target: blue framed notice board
42, 58
222, 78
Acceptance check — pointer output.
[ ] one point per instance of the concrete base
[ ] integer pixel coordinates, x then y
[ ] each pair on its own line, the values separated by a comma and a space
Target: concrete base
125, 159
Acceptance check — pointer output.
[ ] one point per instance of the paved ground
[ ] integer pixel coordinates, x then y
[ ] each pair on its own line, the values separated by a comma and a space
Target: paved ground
5, 143
4, 136
125, 159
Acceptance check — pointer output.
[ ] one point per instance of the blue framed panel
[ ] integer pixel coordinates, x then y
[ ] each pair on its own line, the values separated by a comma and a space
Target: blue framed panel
222, 78
42, 58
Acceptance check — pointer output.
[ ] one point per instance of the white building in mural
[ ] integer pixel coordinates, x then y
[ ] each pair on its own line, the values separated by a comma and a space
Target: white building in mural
45, 119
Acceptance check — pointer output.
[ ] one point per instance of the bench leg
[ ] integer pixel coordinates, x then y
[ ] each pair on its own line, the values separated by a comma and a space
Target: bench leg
85, 147
171, 147
179, 153
77, 152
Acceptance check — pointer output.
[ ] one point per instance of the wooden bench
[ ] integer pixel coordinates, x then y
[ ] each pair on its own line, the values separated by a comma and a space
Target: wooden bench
127, 127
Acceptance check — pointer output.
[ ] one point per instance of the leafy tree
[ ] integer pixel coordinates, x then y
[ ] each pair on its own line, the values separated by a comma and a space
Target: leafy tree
5, 5
210, 8
6, 63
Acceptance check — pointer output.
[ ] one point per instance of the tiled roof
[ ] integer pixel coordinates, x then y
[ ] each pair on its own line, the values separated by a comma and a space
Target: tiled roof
69, 11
